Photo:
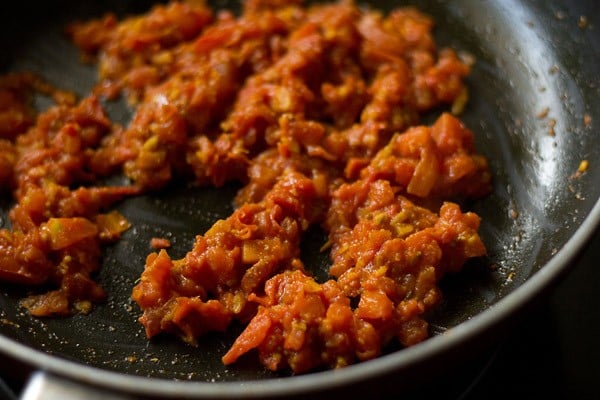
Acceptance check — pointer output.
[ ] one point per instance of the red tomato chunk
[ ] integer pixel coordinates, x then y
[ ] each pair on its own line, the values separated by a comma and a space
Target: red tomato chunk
316, 110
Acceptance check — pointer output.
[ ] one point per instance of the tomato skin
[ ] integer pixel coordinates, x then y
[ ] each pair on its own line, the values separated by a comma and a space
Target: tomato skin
64, 232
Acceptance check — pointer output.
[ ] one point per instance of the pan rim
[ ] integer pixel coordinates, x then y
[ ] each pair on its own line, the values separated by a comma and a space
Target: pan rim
560, 263
303, 384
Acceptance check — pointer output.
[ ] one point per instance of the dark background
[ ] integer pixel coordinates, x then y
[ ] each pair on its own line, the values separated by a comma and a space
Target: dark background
554, 351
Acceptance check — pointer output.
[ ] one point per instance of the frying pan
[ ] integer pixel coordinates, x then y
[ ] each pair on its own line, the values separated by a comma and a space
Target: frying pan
530, 56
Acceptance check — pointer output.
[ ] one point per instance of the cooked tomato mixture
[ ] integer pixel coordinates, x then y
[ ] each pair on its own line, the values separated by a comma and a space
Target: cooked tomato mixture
315, 110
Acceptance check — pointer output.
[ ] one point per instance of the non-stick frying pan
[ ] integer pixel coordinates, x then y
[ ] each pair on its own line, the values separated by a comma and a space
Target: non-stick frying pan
530, 56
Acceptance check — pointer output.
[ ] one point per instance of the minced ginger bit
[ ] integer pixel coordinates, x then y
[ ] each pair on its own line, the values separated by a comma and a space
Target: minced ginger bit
544, 113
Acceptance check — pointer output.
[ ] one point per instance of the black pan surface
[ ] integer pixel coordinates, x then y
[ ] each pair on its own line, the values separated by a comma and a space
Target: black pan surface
530, 55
